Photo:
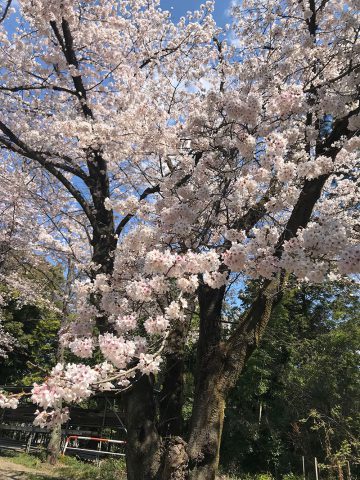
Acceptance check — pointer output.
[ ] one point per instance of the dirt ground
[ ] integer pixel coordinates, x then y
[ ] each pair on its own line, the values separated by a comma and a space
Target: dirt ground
11, 471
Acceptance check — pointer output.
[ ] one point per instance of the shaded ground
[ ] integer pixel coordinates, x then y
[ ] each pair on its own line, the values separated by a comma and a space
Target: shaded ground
12, 471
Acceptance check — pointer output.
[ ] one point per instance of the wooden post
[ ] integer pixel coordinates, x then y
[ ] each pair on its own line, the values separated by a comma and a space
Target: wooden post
260, 411
316, 469
303, 467
104, 418
30, 439
348, 470
340, 471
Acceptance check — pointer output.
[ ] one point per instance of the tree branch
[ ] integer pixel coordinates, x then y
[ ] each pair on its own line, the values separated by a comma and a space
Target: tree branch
5, 12
18, 146
67, 46
129, 216
22, 88
247, 334
255, 213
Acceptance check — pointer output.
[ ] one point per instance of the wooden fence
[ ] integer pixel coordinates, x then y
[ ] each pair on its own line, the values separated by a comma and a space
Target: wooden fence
100, 416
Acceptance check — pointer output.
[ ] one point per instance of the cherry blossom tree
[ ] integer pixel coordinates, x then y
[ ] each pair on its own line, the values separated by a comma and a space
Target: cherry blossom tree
172, 162
7, 342
25, 277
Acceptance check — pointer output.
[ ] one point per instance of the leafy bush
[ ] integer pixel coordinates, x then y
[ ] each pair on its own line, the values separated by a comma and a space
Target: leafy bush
264, 476
292, 476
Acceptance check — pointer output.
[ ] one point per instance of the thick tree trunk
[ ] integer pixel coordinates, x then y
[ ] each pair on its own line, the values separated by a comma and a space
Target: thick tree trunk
209, 399
144, 446
219, 366
206, 429
53, 448
171, 397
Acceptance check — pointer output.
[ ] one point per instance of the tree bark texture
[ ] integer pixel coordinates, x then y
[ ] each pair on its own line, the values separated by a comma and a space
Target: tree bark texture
144, 446
209, 400
219, 365
53, 448
171, 397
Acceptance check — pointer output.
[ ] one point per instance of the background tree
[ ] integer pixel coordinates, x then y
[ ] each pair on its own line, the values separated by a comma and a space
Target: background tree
31, 316
306, 368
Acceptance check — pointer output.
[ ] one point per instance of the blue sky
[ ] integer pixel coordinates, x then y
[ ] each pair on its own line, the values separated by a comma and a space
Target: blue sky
180, 7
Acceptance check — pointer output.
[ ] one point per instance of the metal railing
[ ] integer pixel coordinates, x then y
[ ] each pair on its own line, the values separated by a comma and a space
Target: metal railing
98, 439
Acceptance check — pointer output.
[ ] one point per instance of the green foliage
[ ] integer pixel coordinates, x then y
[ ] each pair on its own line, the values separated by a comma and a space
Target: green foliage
308, 361
264, 476
35, 330
34, 323
259, 476
292, 476
339, 449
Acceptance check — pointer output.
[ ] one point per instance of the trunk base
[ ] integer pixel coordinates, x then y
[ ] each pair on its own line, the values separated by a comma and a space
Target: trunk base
176, 460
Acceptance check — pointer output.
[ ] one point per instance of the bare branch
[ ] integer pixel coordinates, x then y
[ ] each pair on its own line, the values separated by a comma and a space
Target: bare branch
6, 10
18, 146
22, 88
129, 216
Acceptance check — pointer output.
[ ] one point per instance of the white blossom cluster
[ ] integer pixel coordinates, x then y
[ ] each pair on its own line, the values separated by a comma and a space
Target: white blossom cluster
7, 401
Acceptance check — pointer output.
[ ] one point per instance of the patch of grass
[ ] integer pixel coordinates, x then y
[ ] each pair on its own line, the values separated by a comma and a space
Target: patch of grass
77, 470
24, 459
245, 476
258, 476
69, 468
